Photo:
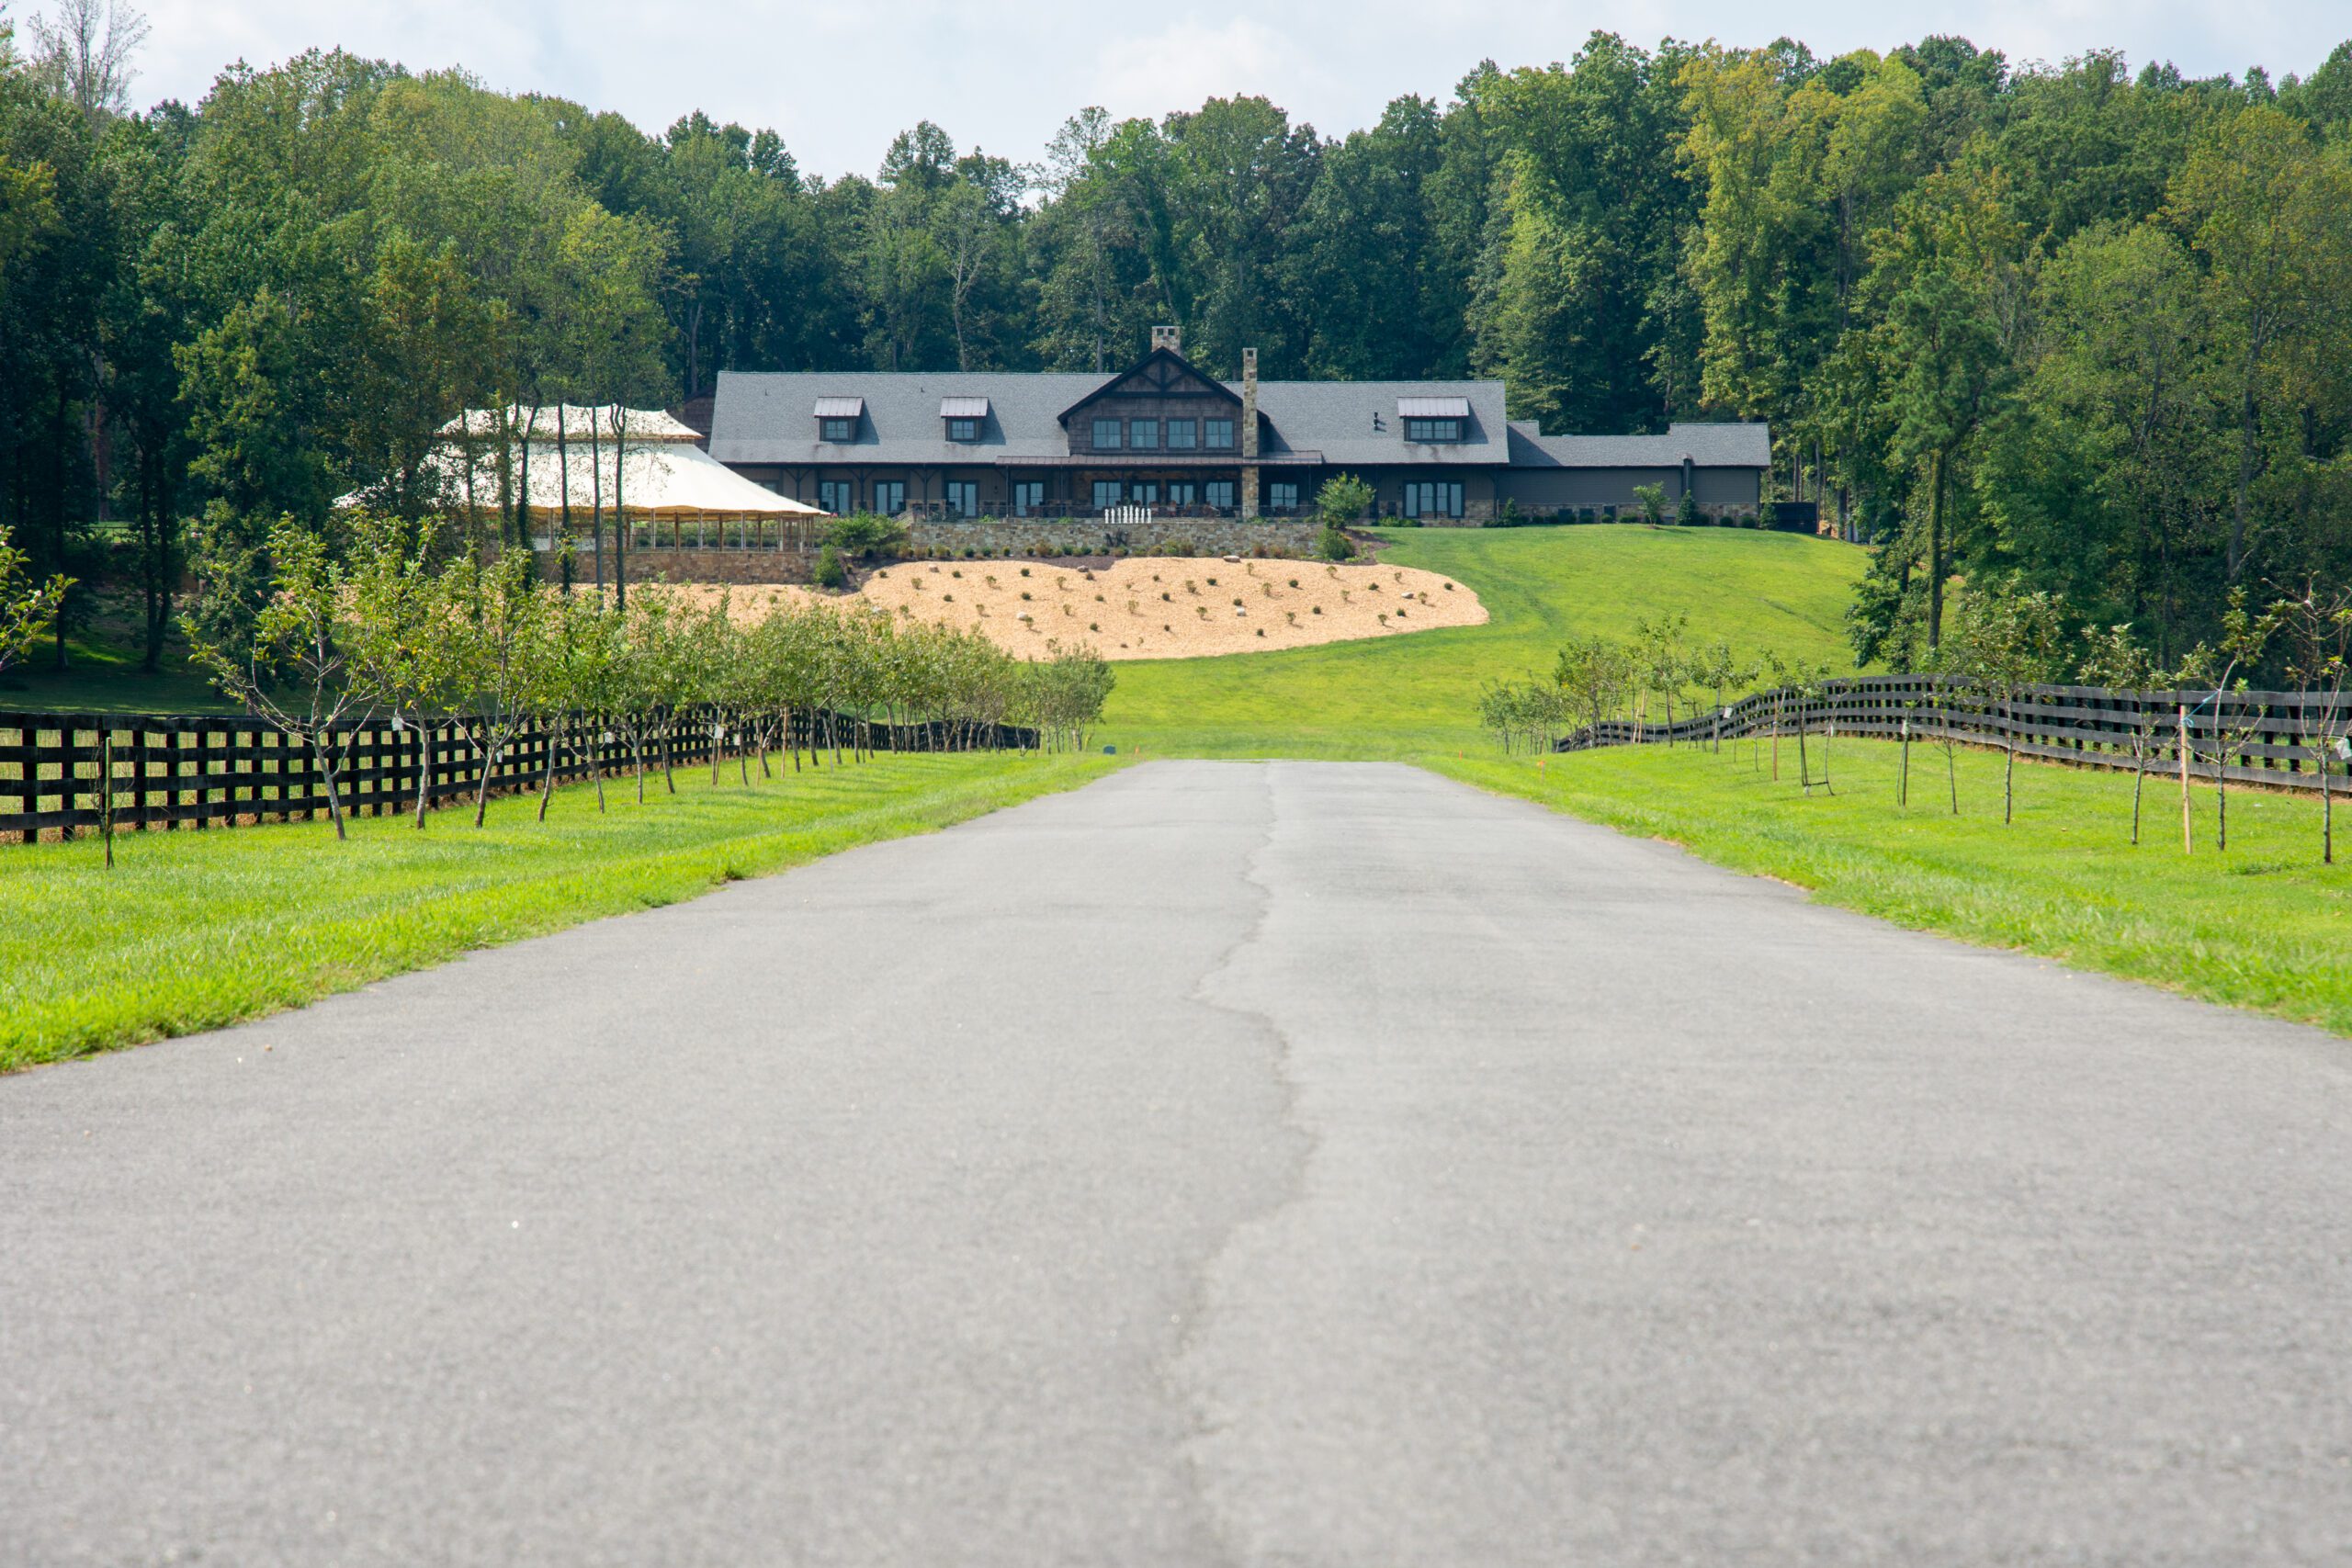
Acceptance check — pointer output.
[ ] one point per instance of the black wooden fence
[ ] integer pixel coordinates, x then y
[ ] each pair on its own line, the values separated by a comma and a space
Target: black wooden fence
2258, 737
220, 770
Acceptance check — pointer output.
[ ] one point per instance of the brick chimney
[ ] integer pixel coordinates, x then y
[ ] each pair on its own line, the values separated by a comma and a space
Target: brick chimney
1248, 433
1170, 338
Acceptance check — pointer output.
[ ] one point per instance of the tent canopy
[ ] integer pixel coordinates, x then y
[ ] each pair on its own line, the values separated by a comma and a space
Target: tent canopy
662, 472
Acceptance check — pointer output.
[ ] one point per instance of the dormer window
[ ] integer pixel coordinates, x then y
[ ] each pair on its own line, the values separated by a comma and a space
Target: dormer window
1434, 421
964, 417
837, 419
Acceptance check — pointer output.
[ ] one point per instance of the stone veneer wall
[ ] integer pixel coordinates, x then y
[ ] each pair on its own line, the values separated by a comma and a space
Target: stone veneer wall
1209, 536
653, 562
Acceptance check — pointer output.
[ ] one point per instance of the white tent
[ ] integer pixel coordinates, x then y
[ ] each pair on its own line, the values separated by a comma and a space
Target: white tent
668, 489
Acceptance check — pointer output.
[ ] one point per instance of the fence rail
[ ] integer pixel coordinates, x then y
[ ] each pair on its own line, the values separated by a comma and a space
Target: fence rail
217, 771
2276, 738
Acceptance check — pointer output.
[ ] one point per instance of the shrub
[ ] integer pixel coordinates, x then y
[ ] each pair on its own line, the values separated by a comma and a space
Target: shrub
1687, 514
866, 536
1652, 500
1332, 545
830, 571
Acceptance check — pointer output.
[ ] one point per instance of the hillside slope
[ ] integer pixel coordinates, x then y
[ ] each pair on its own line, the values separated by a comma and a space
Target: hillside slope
1413, 695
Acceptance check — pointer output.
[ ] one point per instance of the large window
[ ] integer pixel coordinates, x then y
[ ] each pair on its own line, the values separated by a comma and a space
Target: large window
1144, 435
837, 429
1106, 494
1432, 430
1144, 492
1282, 496
1028, 497
1432, 498
1106, 436
889, 497
963, 498
1220, 494
837, 496
1183, 493
1183, 435
1217, 435
963, 430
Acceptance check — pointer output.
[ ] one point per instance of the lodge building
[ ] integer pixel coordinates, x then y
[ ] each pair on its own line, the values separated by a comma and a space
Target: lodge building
1164, 436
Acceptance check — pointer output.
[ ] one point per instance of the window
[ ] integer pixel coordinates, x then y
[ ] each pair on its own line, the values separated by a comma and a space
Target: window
1432, 430
1428, 498
1282, 496
837, 496
1183, 435
1220, 494
1217, 435
838, 430
1144, 435
1106, 494
1183, 493
1144, 492
889, 497
963, 498
963, 430
1106, 436
1028, 497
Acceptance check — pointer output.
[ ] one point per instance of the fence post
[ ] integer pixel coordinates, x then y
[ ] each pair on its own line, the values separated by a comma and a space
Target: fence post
106, 790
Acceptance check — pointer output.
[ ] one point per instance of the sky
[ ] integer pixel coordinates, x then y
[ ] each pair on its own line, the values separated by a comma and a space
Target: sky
839, 80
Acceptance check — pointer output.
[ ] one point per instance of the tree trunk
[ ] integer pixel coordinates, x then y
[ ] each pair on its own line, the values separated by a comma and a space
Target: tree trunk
547, 780
1936, 550
326, 777
424, 733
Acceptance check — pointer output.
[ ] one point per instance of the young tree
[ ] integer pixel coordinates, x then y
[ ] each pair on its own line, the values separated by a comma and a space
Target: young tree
404, 636
2119, 663
297, 669
500, 643
2007, 641
2317, 624
578, 687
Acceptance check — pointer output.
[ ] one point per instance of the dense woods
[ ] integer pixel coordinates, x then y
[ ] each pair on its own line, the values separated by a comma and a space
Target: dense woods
2083, 327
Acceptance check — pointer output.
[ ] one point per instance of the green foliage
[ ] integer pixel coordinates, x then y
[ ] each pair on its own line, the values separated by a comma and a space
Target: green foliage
867, 536
828, 571
1332, 545
27, 608
1652, 500
1344, 498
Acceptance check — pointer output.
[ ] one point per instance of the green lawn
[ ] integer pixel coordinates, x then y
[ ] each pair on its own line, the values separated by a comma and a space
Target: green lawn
1412, 696
192, 930
2266, 926
102, 672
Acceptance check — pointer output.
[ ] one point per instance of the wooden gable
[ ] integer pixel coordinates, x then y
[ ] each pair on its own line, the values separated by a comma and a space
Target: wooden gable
1161, 376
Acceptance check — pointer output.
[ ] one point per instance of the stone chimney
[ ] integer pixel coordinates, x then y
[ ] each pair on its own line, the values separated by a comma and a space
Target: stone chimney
1248, 433
1170, 338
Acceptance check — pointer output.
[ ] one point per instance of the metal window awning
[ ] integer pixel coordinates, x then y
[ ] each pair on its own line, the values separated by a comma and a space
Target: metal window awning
841, 408
1434, 408
963, 407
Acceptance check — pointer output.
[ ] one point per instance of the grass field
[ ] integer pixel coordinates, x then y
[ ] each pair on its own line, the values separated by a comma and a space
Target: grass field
102, 672
1416, 695
2266, 926
192, 930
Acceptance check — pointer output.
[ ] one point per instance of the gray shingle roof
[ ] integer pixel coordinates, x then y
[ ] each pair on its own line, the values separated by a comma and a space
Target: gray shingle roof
1708, 446
769, 418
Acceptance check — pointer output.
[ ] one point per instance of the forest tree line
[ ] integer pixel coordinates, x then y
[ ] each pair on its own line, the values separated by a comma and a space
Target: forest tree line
2081, 328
